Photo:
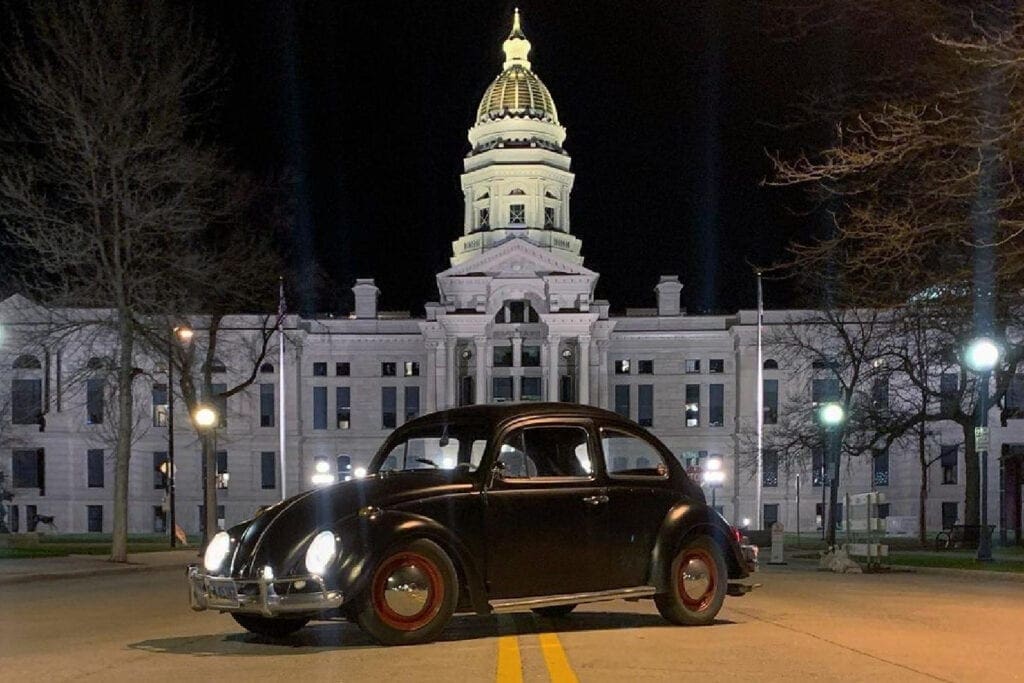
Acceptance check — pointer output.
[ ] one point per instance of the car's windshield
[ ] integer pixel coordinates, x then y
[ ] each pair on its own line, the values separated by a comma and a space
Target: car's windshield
442, 446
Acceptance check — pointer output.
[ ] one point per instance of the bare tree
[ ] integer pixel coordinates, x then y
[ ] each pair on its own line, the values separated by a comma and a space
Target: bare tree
107, 186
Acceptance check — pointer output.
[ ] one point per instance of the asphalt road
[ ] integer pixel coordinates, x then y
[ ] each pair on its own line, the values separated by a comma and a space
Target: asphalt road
802, 625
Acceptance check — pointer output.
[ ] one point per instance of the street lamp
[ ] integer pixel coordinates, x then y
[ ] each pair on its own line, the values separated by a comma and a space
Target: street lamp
981, 356
831, 417
714, 476
206, 418
183, 334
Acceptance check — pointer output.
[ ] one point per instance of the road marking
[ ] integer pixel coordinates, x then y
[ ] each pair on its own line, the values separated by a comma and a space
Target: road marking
557, 662
510, 668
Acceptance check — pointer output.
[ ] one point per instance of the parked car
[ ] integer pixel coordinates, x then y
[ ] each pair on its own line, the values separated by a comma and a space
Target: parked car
482, 509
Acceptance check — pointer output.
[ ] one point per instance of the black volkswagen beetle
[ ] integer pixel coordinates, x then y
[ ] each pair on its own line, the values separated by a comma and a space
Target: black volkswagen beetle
482, 509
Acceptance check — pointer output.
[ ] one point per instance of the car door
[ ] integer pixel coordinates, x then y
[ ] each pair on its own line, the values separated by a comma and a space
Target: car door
640, 495
546, 516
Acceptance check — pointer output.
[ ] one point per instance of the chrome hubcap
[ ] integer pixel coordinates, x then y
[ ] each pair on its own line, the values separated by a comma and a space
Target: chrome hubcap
407, 590
696, 578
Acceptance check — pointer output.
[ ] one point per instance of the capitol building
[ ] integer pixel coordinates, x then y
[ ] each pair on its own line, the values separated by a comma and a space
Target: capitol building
514, 318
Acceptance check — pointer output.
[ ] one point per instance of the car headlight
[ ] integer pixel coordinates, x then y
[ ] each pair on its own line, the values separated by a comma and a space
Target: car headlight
320, 552
217, 551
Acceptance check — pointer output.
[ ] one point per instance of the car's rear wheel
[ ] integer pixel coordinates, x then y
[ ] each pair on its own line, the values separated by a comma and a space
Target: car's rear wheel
554, 611
412, 594
697, 583
270, 627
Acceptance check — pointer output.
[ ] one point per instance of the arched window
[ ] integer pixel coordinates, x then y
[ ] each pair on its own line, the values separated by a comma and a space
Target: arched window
771, 364
96, 363
27, 362
217, 366
517, 191
267, 369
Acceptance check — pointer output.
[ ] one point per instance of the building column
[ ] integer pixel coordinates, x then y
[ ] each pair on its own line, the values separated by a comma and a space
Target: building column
602, 373
431, 376
481, 370
584, 371
553, 367
517, 362
451, 377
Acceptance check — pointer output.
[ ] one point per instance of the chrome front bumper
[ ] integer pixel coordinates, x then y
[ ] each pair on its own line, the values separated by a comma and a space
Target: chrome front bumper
260, 596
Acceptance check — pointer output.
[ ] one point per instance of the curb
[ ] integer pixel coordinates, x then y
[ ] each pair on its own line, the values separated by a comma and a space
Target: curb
965, 573
85, 573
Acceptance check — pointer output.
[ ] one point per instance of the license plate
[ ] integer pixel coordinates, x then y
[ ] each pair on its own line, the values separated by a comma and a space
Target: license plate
223, 590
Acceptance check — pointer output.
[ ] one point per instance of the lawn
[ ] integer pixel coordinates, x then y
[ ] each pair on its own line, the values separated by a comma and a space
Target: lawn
60, 545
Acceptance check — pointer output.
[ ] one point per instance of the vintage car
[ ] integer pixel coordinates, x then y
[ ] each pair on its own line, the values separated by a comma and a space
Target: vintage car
482, 509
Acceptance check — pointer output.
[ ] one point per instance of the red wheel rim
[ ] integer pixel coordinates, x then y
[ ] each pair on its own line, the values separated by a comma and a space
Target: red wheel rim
695, 566
407, 591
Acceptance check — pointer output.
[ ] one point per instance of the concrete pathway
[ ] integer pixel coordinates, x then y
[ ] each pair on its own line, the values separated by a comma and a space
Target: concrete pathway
75, 566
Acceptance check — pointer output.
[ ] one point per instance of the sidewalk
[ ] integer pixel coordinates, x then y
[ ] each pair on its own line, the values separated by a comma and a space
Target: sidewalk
79, 566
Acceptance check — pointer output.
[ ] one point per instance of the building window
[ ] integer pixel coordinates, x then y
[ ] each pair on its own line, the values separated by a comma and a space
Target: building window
770, 364
817, 467
622, 400
343, 407
94, 401
94, 460
412, 402
222, 470
880, 467
501, 388
716, 405
94, 515
27, 362
159, 520
529, 388
483, 219
883, 510
343, 463
692, 405
388, 407
160, 469
770, 515
502, 356
466, 391
268, 470
824, 390
516, 311
948, 457
880, 394
29, 469
411, 368
949, 515
217, 366
566, 389
645, 404
267, 369
770, 467
691, 366
770, 405
517, 214
1014, 404
319, 369
716, 366
645, 367
266, 405
530, 357
549, 217
220, 402
26, 401
388, 369
949, 386
160, 405
622, 367
319, 407
202, 518
341, 369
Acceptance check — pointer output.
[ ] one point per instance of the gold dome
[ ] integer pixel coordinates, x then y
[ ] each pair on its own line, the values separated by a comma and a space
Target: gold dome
517, 92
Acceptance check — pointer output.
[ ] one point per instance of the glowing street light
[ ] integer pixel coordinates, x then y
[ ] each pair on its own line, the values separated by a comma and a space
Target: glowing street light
205, 417
831, 414
981, 356
713, 476
184, 334
322, 476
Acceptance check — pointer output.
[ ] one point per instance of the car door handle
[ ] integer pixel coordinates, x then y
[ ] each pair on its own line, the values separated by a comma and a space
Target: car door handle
595, 500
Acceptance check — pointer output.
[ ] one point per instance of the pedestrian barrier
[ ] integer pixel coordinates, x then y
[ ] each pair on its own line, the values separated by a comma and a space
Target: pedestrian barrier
865, 529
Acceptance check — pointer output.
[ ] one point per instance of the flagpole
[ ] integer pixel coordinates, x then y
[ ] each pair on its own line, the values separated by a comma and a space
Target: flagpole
281, 402
760, 403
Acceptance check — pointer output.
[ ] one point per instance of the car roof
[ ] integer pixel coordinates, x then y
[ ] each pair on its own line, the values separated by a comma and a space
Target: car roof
496, 413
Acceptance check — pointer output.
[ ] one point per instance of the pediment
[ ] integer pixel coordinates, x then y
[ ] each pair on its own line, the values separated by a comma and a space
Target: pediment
516, 258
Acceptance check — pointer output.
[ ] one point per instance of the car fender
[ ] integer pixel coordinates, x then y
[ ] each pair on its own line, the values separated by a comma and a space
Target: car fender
366, 537
681, 523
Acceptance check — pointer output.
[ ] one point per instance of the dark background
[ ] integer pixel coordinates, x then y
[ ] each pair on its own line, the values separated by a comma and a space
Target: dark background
666, 104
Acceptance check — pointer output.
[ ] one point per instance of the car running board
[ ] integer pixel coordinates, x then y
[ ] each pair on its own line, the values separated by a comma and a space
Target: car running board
519, 604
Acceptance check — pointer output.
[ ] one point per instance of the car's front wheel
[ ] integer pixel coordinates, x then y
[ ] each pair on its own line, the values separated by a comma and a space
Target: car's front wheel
272, 628
697, 583
412, 594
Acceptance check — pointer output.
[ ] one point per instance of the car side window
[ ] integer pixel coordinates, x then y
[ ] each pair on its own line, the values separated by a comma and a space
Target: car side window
626, 455
539, 452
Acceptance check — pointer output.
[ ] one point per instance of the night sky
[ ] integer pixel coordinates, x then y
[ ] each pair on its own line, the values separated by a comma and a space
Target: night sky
666, 104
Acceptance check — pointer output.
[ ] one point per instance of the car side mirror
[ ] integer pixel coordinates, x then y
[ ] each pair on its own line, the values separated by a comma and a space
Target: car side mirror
497, 472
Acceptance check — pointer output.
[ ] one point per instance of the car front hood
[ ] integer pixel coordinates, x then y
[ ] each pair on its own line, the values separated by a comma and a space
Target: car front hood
279, 534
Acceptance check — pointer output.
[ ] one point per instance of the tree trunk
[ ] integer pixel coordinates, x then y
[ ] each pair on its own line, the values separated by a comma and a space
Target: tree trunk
922, 504
123, 447
209, 485
972, 478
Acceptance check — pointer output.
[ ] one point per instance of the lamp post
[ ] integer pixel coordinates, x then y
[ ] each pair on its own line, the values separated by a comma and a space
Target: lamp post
714, 476
183, 334
831, 417
206, 418
981, 356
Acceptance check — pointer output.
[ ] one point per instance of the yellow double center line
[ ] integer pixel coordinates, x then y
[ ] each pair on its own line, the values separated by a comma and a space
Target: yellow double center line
510, 667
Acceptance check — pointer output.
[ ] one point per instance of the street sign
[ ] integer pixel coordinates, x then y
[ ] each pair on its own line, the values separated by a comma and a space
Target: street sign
981, 438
